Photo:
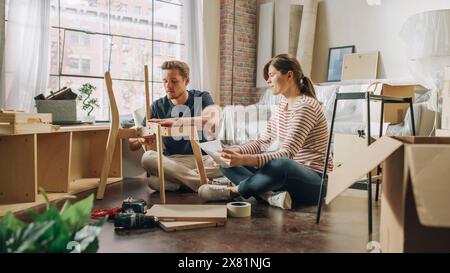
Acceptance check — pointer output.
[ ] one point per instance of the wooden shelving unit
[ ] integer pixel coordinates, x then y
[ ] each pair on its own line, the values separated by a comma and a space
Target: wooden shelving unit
68, 161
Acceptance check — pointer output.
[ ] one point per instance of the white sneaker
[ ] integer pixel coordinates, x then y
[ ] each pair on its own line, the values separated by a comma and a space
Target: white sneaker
214, 192
153, 183
280, 199
224, 181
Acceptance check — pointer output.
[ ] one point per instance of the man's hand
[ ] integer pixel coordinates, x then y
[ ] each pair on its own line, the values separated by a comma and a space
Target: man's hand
136, 143
168, 122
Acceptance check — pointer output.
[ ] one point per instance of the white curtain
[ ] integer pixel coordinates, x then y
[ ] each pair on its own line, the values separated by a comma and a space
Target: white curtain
203, 20
195, 43
26, 67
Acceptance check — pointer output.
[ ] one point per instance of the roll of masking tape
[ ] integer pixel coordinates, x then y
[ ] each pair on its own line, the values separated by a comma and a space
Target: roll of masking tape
239, 209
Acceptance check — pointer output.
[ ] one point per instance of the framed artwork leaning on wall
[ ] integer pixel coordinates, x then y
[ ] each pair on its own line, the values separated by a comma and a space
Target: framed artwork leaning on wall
335, 58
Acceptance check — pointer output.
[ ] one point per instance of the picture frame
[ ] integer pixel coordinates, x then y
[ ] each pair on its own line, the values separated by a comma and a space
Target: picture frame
335, 58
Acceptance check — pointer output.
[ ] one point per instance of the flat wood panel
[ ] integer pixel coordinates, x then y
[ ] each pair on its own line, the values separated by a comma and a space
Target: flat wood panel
184, 225
53, 154
80, 156
83, 128
265, 40
198, 213
97, 155
358, 66
24, 129
18, 169
25, 118
86, 184
76, 187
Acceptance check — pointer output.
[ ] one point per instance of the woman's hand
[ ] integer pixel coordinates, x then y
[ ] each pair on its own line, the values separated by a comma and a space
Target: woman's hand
232, 158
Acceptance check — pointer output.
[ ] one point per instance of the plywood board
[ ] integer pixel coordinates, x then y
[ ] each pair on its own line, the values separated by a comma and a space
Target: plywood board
97, 155
265, 40
53, 155
18, 169
358, 66
75, 188
184, 225
216, 213
23, 129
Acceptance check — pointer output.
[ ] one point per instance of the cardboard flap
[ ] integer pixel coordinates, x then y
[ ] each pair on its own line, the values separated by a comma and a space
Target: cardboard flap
351, 170
430, 179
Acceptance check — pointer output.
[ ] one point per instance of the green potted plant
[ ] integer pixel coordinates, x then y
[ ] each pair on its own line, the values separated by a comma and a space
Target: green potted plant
89, 103
57, 231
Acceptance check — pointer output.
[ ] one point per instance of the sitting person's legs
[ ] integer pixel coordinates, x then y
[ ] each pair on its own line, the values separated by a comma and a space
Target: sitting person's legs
178, 170
302, 183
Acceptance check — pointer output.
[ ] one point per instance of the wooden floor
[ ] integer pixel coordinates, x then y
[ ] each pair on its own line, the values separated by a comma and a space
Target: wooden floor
343, 227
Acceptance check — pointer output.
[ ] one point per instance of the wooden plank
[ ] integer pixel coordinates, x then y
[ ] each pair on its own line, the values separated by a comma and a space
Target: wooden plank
112, 138
199, 161
86, 184
159, 149
76, 187
196, 213
25, 118
360, 66
80, 155
97, 149
24, 129
18, 169
53, 157
84, 128
147, 94
184, 225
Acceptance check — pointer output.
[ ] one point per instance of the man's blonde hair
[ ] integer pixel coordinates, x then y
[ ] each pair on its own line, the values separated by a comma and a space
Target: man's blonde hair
182, 67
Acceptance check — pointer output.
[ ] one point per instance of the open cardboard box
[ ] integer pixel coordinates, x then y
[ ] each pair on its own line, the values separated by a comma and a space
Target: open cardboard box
415, 202
394, 113
346, 146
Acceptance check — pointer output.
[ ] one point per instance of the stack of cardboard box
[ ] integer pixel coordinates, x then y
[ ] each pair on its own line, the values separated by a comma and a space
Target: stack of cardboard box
415, 203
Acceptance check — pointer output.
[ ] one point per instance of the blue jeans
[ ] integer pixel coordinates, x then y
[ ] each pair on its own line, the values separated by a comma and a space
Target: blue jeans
281, 174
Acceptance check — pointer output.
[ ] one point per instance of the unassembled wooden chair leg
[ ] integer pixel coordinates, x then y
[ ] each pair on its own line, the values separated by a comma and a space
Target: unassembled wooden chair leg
199, 160
159, 148
112, 138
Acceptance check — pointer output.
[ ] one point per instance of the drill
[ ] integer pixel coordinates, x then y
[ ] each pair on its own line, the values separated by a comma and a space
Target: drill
133, 215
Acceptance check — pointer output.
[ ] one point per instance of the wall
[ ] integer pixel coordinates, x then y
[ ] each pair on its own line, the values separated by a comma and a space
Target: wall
238, 86
369, 28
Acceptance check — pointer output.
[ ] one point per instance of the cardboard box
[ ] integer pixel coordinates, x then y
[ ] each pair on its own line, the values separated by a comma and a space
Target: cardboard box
445, 120
415, 203
346, 146
394, 113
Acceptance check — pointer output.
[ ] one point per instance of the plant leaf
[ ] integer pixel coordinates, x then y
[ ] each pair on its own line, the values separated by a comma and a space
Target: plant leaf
87, 235
25, 238
75, 216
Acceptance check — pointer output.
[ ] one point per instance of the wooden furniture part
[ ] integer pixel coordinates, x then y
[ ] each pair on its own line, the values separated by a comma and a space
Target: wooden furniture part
360, 66
68, 161
210, 213
20, 123
184, 225
151, 129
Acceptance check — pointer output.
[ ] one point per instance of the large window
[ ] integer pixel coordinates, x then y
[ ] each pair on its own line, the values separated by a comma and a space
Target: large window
89, 37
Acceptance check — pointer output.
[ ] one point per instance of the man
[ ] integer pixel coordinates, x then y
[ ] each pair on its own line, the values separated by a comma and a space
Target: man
178, 106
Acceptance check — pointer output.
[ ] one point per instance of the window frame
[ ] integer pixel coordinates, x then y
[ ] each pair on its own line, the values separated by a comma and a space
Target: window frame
61, 46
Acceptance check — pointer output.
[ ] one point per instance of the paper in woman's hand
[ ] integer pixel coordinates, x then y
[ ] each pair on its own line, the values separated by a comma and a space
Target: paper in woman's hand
213, 149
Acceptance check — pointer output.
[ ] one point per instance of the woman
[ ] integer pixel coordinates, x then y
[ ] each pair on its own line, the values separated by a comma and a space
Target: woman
293, 173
